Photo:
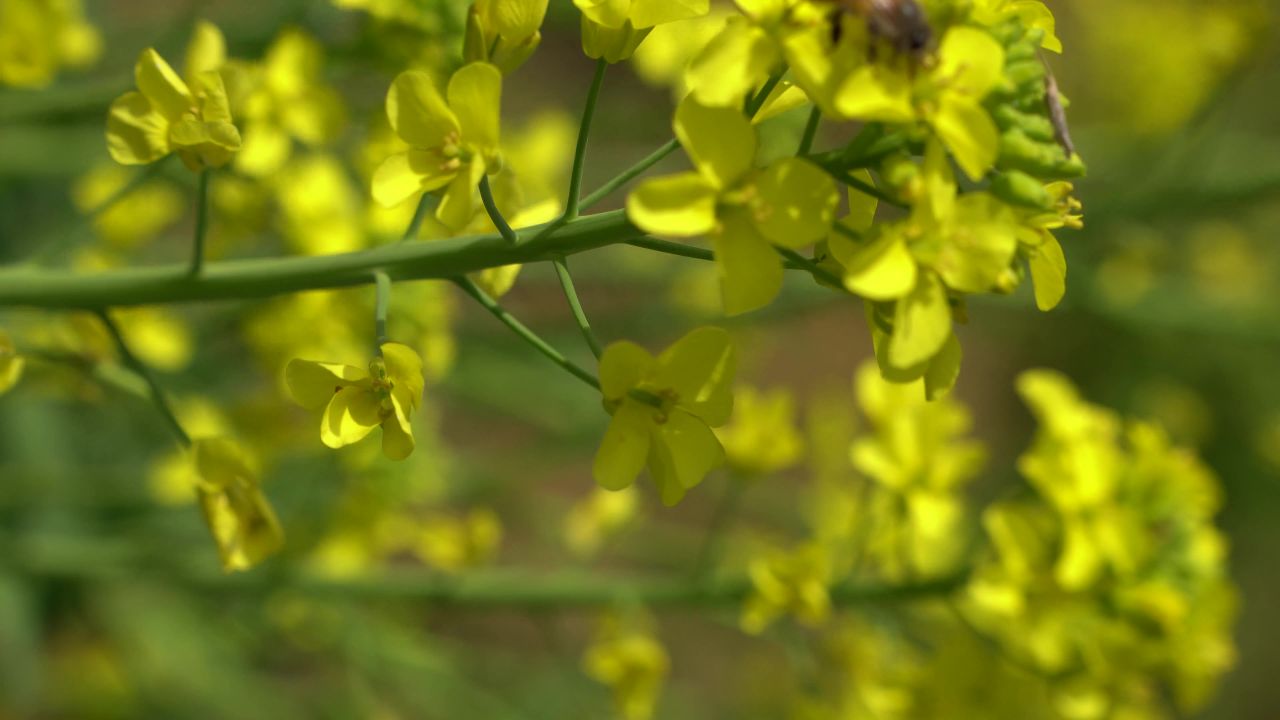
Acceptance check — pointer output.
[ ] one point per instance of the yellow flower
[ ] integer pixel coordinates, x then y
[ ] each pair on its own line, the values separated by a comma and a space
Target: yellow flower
613, 29
453, 544
355, 401
320, 208
663, 410
1032, 13
282, 99
168, 114
762, 438
11, 363
241, 520
951, 243
598, 517
633, 663
503, 32
451, 143
948, 97
138, 216
38, 37
173, 479
788, 582
790, 203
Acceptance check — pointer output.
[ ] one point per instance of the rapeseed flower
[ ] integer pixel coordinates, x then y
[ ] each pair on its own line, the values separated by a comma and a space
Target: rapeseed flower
613, 29
241, 520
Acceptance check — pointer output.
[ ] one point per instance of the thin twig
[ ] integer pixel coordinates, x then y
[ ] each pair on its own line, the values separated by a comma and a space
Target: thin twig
575, 305
139, 367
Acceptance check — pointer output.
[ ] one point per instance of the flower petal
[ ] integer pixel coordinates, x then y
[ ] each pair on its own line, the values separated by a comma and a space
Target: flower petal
969, 133
404, 367
475, 96
417, 112
719, 140
795, 204
397, 434
625, 447
881, 270
681, 205
623, 365
460, 201
313, 384
684, 450
700, 367
136, 132
751, 272
406, 174
1049, 273
157, 81
351, 415
921, 323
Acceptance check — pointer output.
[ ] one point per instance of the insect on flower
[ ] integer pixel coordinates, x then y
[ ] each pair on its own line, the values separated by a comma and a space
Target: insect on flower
901, 23
1057, 114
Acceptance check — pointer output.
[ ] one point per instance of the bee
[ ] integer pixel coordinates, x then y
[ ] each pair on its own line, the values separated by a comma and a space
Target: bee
901, 23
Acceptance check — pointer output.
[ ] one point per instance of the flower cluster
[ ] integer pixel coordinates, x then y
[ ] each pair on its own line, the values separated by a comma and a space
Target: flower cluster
40, 37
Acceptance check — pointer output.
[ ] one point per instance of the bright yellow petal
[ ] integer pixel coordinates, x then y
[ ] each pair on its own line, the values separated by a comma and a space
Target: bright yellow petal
351, 415
970, 62
622, 366
417, 112
876, 93
969, 133
625, 447
700, 367
681, 205
719, 140
795, 203
136, 133
684, 450
921, 323
313, 384
881, 270
397, 435
458, 206
406, 174
167, 93
647, 13
404, 368
1049, 273
475, 95
944, 370
206, 51
751, 271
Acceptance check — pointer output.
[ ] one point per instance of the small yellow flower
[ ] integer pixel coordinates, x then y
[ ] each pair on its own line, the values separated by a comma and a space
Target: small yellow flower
762, 438
11, 363
631, 661
793, 582
453, 544
663, 410
167, 114
503, 32
453, 143
613, 29
39, 37
243, 524
355, 400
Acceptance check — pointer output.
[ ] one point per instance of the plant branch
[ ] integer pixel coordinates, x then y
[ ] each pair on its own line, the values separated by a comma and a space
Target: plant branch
630, 174
491, 207
575, 305
425, 204
202, 223
381, 303
139, 367
584, 132
248, 279
810, 132
520, 329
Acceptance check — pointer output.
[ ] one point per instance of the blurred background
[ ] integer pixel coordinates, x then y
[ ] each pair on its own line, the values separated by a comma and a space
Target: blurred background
110, 603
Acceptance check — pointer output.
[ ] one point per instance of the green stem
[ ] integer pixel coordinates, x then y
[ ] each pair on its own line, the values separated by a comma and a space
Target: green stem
267, 277
584, 131
480, 591
135, 364
419, 214
491, 207
523, 331
571, 294
810, 131
868, 189
202, 223
757, 102
725, 510
382, 301
794, 260
630, 174
809, 266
